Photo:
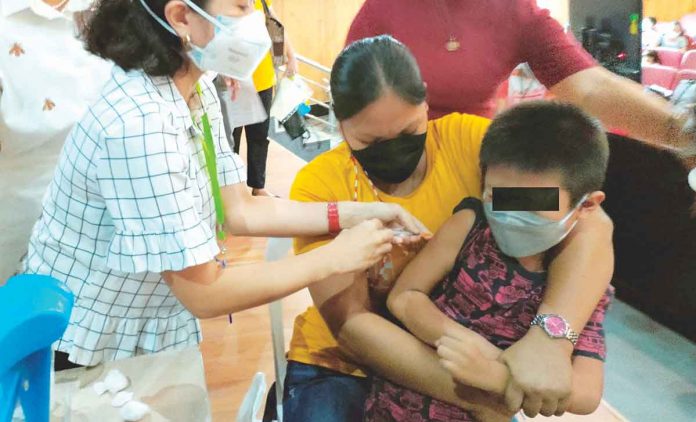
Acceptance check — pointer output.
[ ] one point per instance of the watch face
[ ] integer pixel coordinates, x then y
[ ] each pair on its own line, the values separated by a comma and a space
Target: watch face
555, 326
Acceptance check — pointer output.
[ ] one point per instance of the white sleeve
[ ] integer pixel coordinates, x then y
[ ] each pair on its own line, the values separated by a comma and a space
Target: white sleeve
143, 179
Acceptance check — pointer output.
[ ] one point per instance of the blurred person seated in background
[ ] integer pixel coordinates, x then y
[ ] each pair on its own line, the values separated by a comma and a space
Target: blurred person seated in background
675, 38
650, 57
650, 36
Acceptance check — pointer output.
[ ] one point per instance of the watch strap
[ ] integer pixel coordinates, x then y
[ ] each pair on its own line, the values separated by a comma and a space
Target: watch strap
569, 334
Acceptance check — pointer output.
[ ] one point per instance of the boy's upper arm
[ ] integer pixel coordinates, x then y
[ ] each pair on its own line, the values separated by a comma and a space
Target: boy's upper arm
437, 258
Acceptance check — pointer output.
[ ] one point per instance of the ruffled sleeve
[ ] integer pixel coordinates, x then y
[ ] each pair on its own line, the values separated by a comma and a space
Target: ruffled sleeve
142, 173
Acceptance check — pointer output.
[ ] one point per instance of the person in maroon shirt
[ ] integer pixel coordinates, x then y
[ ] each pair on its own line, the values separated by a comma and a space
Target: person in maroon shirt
467, 48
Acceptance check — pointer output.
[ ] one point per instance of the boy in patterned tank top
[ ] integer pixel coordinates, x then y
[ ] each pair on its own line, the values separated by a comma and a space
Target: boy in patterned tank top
476, 288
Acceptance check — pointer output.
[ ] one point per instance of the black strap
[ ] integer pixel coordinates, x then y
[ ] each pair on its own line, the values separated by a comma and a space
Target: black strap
266, 11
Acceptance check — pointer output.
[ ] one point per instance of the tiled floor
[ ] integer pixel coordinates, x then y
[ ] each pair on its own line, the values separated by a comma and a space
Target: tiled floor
651, 371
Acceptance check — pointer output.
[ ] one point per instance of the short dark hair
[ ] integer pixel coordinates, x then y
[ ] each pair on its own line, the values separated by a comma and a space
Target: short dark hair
652, 20
653, 54
124, 32
681, 28
367, 68
540, 136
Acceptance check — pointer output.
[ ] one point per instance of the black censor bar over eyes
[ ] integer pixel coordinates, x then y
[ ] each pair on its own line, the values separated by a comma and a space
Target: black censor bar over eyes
525, 199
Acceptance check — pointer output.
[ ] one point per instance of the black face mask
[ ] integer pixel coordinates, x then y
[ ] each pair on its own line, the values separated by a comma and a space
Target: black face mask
392, 161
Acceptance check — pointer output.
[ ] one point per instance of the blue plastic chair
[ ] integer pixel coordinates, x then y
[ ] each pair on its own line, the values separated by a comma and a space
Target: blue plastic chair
34, 313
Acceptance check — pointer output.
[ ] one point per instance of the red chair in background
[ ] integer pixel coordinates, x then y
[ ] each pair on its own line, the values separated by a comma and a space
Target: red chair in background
655, 74
684, 74
689, 60
669, 56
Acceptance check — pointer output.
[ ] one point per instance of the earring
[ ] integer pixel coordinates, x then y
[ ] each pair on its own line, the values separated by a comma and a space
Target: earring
187, 42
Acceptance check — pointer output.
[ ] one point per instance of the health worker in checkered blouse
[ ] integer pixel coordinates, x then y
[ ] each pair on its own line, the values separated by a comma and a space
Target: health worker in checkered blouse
146, 188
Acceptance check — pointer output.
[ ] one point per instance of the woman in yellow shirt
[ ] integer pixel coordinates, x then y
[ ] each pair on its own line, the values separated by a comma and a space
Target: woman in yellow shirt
392, 153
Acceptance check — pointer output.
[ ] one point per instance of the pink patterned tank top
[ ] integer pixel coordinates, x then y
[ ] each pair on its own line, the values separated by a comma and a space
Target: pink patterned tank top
493, 295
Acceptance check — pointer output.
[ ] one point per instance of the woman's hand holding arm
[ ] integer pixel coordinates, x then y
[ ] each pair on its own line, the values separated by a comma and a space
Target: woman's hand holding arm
247, 215
208, 290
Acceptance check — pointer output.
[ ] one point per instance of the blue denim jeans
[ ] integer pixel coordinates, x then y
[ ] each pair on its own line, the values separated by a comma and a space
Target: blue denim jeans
316, 394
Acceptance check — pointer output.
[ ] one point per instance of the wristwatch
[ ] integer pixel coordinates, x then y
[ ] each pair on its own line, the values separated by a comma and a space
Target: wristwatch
555, 326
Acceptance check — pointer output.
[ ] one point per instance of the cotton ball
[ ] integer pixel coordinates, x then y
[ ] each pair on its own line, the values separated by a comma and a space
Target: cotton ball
692, 179
99, 388
122, 398
115, 381
134, 411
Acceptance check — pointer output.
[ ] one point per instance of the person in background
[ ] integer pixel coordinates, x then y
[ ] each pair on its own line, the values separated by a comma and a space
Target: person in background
651, 57
393, 154
147, 188
650, 36
257, 134
467, 48
475, 288
676, 38
47, 80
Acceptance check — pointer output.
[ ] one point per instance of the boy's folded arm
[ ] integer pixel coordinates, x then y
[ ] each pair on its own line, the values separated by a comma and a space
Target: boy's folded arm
423, 319
492, 376
409, 301
588, 363
399, 357
588, 384
369, 339
425, 271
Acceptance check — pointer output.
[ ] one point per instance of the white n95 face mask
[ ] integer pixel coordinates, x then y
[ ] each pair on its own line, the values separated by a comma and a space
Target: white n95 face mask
47, 11
64, 9
237, 48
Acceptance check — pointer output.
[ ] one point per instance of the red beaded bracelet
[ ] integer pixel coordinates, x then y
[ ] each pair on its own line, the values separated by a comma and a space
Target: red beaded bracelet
334, 223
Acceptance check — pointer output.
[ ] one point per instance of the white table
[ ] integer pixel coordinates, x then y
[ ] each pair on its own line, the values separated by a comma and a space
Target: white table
171, 383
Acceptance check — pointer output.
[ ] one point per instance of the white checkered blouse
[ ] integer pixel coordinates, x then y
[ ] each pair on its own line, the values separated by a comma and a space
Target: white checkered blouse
131, 198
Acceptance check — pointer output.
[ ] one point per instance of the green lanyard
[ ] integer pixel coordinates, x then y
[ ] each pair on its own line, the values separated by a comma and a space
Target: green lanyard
211, 165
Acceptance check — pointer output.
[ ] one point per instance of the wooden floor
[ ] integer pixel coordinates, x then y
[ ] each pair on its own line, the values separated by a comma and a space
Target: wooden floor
233, 353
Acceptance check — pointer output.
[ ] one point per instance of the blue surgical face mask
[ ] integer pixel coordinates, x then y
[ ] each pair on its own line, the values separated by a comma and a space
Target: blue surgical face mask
237, 48
524, 233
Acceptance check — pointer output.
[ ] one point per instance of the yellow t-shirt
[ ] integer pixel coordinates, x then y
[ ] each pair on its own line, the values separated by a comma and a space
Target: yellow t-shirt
452, 150
264, 75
